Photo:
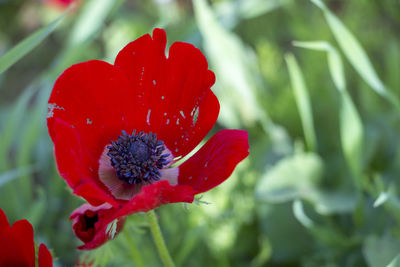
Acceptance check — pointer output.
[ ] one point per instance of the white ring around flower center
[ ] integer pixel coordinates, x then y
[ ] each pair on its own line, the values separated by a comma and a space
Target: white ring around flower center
122, 190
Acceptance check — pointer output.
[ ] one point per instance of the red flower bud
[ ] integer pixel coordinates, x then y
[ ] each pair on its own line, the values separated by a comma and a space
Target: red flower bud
93, 226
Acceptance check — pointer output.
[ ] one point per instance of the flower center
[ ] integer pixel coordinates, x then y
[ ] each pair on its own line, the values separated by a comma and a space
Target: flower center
137, 158
140, 150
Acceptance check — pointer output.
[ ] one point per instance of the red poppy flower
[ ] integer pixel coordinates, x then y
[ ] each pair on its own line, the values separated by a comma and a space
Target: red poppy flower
17, 246
118, 130
90, 224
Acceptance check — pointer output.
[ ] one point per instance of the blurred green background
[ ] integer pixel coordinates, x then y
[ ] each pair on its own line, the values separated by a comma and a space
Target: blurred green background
316, 86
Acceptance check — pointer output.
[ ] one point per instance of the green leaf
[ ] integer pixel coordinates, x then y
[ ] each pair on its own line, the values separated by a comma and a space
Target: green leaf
303, 101
300, 215
389, 200
327, 235
111, 230
356, 54
382, 198
291, 178
395, 262
29, 43
333, 202
380, 251
100, 256
264, 254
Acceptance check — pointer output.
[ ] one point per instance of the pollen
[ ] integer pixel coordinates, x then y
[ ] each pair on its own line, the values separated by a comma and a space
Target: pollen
138, 158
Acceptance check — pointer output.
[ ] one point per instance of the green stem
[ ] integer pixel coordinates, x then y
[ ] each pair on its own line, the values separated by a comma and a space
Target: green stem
158, 239
133, 248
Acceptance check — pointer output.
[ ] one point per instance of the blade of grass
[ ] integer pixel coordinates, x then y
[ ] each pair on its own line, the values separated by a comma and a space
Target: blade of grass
90, 20
351, 128
237, 70
133, 249
253, 8
334, 61
352, 135
303, 101
15, 173
356, 55
326, 235
12, 124
191, 240
233, 64
28, 141
395, 262
38, 208
11, 129
26, 45
298, 211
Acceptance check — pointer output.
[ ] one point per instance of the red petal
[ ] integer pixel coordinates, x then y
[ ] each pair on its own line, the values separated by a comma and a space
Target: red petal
16, 245
94, 194
143, 62
155, 195
3, 220
45, 258
150, 197
76, 164
215, 161
93, 100
173, 94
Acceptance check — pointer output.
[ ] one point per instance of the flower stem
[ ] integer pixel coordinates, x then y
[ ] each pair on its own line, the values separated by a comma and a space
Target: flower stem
133, 248
158, 239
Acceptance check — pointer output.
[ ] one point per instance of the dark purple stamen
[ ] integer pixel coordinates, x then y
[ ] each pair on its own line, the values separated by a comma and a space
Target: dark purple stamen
137, 158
